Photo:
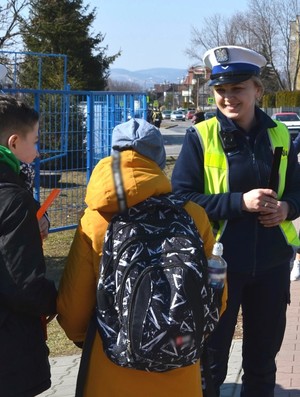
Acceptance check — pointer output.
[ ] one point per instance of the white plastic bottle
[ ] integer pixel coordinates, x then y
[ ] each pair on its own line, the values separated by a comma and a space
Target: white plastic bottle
217, 267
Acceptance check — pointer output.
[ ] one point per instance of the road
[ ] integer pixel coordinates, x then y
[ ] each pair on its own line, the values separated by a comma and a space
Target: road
173, 133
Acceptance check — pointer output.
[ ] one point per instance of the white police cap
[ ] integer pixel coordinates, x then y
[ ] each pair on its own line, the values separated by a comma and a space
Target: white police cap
232, 64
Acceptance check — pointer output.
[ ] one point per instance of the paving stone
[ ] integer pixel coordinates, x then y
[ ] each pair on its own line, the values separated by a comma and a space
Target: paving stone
64, 369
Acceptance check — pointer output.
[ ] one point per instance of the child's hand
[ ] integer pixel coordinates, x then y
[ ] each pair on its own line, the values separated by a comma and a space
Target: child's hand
44, 227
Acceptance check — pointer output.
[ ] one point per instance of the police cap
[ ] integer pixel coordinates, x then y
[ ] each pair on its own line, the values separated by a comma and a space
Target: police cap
232, 64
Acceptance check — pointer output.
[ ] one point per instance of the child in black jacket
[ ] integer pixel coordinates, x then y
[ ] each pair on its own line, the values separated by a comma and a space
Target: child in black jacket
25, 293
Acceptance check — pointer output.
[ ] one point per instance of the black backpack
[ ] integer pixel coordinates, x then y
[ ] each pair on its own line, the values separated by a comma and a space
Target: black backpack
154, 307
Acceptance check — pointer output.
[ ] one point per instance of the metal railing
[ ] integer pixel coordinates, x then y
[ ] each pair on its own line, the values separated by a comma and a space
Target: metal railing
75, 133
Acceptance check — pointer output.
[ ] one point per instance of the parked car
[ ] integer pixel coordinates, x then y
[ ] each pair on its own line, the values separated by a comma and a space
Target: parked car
291, 120
209, 115
177, 115
166, 114
190, 114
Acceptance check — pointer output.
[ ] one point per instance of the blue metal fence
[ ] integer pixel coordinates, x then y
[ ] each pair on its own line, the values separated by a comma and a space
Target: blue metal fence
75, 133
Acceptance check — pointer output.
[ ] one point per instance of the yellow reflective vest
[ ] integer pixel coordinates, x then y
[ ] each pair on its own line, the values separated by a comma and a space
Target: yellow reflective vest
216, 172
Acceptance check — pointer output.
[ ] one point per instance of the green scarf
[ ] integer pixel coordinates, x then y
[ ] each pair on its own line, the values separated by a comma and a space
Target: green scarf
7, 157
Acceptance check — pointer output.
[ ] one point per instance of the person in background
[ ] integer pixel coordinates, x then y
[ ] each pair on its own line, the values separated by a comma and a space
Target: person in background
143, 158
150, 115
26, 295
296, 143
224, 166
197, 117
295, 272
156, 117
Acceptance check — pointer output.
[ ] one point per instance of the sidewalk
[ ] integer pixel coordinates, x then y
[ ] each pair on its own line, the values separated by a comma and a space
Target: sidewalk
288, 359
64, 369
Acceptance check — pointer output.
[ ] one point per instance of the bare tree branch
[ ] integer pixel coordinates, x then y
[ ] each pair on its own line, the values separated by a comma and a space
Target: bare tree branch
265, 27
10, 15
210, 36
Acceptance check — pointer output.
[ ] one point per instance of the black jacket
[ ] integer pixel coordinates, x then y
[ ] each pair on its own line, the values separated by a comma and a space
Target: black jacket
248, 246
25, 293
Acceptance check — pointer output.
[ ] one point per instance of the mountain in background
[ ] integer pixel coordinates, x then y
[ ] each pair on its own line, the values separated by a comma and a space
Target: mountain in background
148, 77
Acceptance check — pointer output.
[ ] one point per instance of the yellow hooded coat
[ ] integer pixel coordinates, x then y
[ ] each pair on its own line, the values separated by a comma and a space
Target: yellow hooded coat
142, 178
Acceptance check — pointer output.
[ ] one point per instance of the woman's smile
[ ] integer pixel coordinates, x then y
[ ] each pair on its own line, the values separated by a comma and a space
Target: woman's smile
237, 101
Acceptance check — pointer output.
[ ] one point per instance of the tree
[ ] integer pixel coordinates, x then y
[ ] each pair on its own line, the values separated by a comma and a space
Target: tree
10, 13
264, 27
63, 27
130, 86
9, 22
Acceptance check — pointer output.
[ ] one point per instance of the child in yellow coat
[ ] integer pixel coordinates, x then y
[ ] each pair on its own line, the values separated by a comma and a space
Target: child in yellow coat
141, 165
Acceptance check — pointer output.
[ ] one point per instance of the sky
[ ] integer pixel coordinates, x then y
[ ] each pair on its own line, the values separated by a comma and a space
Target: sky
154, 33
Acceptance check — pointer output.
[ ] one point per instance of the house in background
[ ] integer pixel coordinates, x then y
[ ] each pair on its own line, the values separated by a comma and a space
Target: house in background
190, 91
197, 79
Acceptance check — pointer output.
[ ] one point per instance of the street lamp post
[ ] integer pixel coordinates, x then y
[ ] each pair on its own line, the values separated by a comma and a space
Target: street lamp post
173, 91
178, 92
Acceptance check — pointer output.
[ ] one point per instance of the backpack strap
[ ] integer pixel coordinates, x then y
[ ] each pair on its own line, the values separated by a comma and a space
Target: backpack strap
118, 180
165, 200
85, 357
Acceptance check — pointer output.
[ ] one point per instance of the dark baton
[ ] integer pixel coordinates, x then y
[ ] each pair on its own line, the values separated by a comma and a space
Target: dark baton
273, 181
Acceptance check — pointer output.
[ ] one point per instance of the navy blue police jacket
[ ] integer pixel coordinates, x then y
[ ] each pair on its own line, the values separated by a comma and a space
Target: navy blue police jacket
249, 247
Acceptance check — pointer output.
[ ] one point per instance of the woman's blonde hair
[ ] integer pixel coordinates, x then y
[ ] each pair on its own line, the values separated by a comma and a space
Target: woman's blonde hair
257, 81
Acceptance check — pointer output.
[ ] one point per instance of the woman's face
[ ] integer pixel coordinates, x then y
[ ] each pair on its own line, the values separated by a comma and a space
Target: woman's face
237, 101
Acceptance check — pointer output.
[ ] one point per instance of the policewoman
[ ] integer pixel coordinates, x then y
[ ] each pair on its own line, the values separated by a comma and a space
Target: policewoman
225, 166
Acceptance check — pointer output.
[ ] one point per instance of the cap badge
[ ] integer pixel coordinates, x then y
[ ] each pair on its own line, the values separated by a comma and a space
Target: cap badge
222, 55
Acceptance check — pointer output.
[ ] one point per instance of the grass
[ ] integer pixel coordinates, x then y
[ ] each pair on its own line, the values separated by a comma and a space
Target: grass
56, 248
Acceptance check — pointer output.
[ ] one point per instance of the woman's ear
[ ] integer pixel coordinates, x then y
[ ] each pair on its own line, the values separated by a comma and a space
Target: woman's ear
12, 142
259, 93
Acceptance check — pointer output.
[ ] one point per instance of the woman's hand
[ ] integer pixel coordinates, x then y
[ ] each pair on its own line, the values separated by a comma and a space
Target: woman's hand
260, 200
275, 216
272, 212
